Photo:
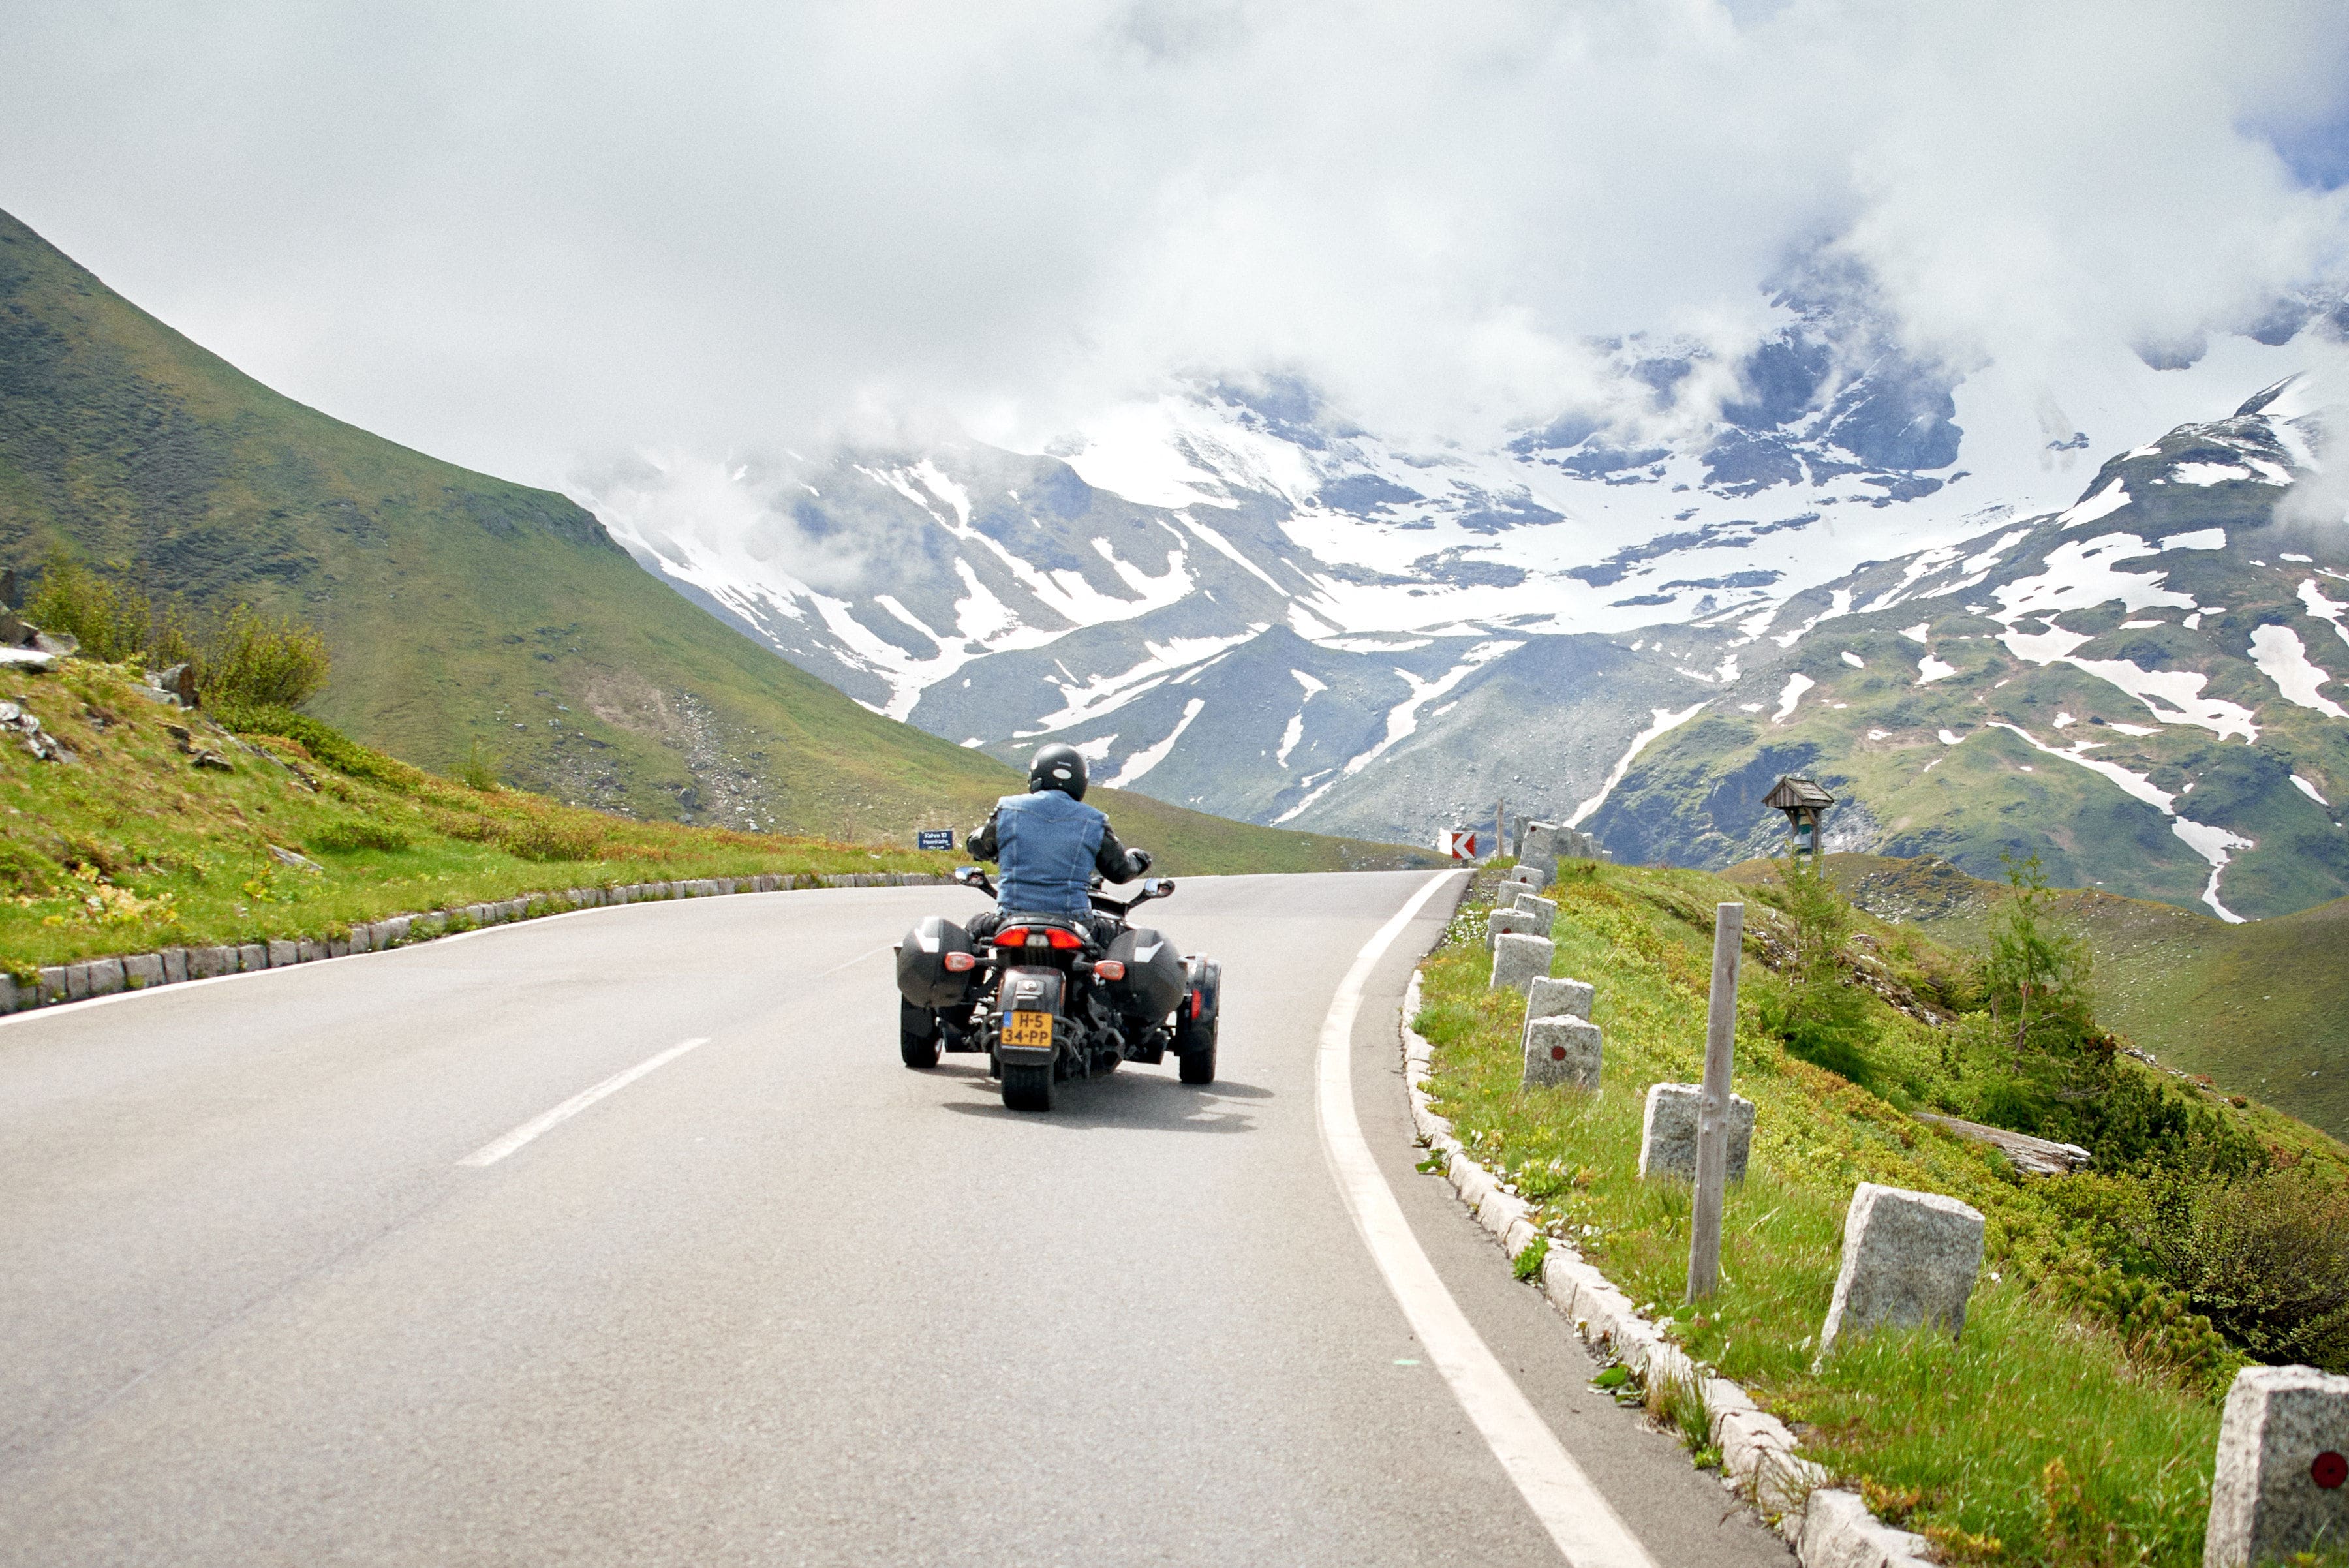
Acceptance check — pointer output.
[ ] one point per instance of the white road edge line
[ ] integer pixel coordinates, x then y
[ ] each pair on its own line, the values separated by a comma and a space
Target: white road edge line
1584, 1525
490, 1153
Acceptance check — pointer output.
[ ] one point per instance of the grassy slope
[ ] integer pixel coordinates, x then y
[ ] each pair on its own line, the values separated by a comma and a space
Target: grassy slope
2049, 1429
2261, 1009
132, 847
464, 611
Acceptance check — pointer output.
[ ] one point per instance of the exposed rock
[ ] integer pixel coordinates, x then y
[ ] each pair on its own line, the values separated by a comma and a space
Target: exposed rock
44, 746
2039, 1156
175, 686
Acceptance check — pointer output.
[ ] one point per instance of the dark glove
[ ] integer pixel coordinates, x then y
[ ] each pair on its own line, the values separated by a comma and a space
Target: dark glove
1141, 858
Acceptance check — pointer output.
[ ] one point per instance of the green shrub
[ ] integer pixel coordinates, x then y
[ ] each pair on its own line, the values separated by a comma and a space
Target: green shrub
112, 620
2035, 976
479, 770
1821, 1016
322, 741
360, 832
539, 839
2157, 1322
2267, 1258
254, 662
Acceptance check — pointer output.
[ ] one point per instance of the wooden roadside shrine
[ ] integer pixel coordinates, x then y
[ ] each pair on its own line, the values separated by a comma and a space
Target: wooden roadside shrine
1803, 802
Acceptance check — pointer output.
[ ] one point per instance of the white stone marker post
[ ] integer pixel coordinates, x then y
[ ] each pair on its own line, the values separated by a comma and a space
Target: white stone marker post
2283, 1455
1668, 1129
1908, 1258
1518, 960
1712, 1110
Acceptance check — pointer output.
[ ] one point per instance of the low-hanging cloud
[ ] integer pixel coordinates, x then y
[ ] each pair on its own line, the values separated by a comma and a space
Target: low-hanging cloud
537, 238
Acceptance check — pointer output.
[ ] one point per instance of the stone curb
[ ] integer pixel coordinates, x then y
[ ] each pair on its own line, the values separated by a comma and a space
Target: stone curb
138, 971
1826, 1527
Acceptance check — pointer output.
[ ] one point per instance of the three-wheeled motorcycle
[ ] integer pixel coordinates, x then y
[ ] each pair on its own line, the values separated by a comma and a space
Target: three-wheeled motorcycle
1047, 999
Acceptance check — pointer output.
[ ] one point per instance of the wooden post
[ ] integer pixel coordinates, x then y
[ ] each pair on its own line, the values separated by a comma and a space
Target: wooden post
1713, 1107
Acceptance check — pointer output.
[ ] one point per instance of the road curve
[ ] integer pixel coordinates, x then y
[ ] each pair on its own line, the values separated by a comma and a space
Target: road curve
774, 1299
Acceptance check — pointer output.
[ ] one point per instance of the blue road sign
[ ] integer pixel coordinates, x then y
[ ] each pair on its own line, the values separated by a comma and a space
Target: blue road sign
933, 838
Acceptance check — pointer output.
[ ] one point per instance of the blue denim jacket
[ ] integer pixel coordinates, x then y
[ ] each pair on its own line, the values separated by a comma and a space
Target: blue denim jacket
1046, 844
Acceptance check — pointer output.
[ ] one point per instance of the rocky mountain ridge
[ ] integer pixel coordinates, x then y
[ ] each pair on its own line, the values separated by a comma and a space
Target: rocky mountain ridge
2136, 689
1232, 599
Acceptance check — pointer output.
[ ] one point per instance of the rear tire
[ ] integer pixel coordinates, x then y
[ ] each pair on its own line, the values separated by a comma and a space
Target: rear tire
1027, 1088
1198, 1058
917, 1036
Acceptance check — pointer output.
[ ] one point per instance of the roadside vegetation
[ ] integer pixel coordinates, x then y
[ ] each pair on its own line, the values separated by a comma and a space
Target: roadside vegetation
2075, 1420
166, 828
2196, 991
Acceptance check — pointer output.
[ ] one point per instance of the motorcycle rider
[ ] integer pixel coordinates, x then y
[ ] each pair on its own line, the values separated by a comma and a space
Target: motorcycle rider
1047, 844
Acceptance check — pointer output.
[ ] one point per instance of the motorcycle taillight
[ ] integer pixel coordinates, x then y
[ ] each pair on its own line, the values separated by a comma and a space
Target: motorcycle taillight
1060, 939
1109, 969
1012, 937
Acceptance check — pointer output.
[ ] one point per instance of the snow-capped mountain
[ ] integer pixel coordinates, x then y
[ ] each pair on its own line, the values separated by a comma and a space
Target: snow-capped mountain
1234, 599
2138, 688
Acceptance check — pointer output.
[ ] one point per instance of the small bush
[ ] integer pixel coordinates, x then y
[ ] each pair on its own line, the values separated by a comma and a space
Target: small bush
2267, 1260
1822, 1017
323, 741
479, 770
360, 832
112, 621
2035, 976
538, 838
255, 661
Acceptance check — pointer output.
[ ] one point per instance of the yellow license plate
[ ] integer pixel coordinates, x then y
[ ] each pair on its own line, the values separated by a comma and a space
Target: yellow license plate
1027, 1029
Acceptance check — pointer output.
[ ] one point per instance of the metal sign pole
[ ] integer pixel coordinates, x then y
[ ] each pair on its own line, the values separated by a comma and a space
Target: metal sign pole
1712, 1107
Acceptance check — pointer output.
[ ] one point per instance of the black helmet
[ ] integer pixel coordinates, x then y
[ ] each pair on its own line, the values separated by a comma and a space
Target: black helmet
1060, 767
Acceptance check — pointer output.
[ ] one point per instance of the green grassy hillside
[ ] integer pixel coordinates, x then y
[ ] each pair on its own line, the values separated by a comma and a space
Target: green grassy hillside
2261, 1009
164, 830
467, 616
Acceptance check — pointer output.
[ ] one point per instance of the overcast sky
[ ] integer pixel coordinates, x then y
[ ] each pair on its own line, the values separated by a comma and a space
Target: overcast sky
535, 237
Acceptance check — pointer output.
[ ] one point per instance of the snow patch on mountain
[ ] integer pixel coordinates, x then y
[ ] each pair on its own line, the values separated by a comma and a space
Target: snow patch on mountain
2282, 657
1665, 722
1137, 767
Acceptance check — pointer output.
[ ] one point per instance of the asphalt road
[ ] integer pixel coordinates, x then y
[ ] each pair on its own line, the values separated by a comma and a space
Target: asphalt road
779, 1300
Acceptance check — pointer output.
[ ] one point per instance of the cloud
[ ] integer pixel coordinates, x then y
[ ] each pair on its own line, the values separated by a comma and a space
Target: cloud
538, 238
